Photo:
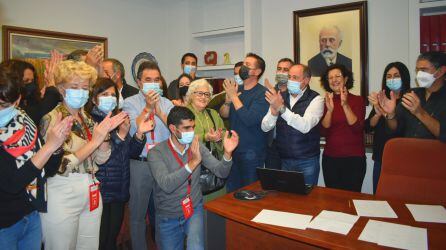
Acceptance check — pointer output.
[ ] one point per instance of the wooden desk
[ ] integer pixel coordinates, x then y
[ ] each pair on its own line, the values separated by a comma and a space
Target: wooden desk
242, 233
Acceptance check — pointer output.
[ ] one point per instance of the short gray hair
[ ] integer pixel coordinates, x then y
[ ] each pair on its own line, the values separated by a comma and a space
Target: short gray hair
195, 85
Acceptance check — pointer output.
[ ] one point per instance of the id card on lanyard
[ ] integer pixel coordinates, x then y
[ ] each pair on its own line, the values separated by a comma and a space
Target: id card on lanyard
186, 203
93, 189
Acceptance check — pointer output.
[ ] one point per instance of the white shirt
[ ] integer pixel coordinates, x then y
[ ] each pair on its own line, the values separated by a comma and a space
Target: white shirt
304, 123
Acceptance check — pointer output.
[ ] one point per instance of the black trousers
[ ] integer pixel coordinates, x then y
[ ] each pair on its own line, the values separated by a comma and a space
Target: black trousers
111, 221
344, 172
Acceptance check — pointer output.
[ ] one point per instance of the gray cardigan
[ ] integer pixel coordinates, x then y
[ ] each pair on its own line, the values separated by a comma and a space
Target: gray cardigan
171, 180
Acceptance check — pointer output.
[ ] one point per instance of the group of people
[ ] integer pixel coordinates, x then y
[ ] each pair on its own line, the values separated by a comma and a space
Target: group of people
77, 150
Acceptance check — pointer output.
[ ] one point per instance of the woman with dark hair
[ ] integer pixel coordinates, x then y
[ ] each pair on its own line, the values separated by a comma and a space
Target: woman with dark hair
114, 174
31, 101
396, 78
183, 82
343, 160
24, 163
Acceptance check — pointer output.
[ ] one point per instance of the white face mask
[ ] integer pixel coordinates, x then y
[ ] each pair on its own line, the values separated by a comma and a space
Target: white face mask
425, 80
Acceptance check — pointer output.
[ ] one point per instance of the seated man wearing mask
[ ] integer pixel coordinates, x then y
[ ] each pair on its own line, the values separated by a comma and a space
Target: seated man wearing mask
296, 114
422, 111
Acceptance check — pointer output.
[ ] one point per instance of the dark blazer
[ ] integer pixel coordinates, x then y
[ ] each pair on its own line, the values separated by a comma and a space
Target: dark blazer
128, 90
318, 65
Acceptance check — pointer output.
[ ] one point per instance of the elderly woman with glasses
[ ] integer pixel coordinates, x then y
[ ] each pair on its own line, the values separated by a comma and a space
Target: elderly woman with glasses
343, 160
208, 123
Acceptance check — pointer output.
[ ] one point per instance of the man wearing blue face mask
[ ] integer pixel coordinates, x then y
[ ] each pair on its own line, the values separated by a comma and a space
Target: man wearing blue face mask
156, 107
189, 66
422, 111
296, 114
175, 164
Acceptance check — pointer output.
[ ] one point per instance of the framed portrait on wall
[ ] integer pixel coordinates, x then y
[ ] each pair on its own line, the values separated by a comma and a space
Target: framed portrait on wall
333, 34
34, 46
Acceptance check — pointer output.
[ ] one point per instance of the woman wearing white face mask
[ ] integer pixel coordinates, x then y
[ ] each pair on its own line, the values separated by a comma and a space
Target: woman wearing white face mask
74, 202
24, 163
396, 78
114, 175
422, 111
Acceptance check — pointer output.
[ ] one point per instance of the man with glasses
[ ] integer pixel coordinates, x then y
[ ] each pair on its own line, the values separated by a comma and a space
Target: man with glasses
295, 114
422, 111
141, 182
246, 108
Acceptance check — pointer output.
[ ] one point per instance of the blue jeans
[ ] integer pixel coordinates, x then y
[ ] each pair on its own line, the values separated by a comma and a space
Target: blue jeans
26, 234
376, 174
310, 167
171, 232
243, 170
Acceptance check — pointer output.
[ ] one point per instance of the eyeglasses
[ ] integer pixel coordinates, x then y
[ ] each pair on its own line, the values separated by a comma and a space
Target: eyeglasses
201, 94
330, 79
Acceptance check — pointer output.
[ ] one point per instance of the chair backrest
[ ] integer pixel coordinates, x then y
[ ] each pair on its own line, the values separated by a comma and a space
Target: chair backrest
413, 170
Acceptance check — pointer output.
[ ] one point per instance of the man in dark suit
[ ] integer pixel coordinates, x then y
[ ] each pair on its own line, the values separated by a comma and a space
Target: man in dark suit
330, 39
114, 70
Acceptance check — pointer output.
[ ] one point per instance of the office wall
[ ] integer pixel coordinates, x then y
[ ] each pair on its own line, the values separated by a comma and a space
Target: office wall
131, 26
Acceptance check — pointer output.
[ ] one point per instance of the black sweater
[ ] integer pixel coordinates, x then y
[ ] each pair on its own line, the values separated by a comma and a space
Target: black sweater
14, 203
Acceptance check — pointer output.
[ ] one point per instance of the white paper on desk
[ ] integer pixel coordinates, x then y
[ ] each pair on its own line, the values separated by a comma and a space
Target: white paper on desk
335, 222
428, 213
394, 235
371, 208
283, 219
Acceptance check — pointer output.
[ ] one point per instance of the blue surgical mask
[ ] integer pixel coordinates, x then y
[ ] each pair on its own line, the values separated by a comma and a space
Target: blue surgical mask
6, 115
238, 80
294, 87
186, 137
107, 103
76, 98
189, 69
152, 86
394, 84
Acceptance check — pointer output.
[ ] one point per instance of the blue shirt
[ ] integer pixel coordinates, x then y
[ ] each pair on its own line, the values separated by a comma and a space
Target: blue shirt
247, 120
134, 105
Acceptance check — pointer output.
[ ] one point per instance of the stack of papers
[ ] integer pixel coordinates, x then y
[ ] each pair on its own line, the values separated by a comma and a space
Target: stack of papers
283, 219
336, 222
371, 208
428, 213
394, 235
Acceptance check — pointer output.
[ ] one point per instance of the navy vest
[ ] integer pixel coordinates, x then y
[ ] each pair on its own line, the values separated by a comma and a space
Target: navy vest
291, 143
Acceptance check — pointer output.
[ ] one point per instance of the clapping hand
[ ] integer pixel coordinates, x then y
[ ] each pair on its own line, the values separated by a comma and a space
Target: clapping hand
214, 135
102, 129
144, 124
344, 95
411, 102
95, 56
386, 104
230, 143
195, 154
329, 101
231, 88
274, 98
152, 98
58, 133
373, 99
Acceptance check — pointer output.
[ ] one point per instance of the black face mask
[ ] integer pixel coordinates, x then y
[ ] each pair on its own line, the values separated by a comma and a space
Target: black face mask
30, 89
244, 72
183, 91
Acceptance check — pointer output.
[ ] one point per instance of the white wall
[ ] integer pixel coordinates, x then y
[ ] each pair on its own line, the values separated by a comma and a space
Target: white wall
387, 26
131, 26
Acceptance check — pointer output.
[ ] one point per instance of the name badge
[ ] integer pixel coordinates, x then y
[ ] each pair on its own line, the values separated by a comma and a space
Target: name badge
94, 196
188, 209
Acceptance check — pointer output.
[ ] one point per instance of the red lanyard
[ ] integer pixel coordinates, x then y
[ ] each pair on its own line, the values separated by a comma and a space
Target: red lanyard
180, 162
85, 127
152, 133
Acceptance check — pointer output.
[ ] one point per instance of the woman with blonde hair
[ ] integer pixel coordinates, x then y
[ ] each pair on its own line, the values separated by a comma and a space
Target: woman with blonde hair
74, 203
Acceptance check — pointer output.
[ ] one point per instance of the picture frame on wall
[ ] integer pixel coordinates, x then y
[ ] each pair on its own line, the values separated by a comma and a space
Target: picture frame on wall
333, 34
35, 45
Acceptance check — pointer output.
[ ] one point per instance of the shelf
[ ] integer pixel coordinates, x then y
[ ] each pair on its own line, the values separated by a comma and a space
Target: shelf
216, 67
219, 32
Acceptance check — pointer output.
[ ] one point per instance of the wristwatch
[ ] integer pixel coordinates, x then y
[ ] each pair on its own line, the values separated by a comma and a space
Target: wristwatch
282, 109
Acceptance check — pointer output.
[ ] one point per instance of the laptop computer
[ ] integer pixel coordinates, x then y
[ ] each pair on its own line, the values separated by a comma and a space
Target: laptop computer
283, 180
